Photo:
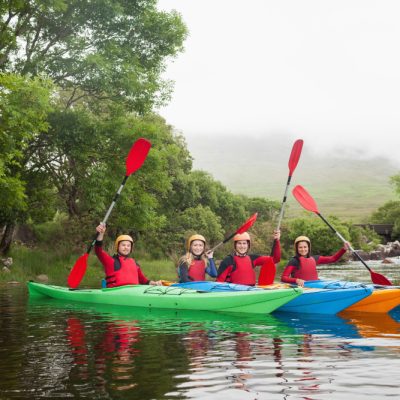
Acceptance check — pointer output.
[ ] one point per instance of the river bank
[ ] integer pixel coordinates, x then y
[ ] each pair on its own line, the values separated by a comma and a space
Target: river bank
26, 264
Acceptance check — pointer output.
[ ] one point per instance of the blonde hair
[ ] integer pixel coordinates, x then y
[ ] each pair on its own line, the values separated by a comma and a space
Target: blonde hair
188, 258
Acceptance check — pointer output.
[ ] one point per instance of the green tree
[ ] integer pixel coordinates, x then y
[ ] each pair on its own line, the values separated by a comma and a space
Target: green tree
94, 50
106, 59
389, 213
24, 106
323, 240
197, 219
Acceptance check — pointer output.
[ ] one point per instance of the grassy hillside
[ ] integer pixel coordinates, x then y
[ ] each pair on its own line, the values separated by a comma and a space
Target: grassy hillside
346, 187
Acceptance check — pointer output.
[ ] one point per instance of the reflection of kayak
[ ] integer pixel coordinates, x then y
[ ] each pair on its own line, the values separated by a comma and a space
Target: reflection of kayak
311, 301
382, 300
256, 301
346, 325
373, 324
321, 324
168, 321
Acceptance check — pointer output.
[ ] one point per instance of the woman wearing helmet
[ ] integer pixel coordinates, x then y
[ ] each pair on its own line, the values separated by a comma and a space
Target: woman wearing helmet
120, 269
194, 265
239, 266
303, 266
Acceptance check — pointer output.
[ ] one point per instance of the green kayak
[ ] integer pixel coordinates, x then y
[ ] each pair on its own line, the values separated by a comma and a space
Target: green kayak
254, 301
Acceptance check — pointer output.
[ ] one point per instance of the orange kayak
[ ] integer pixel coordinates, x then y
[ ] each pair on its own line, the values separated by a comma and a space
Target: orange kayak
380, 301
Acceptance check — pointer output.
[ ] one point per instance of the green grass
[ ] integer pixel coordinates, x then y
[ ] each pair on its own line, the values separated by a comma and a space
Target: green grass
29, 263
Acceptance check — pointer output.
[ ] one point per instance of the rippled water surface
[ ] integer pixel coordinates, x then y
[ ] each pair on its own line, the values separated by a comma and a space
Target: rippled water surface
54, 350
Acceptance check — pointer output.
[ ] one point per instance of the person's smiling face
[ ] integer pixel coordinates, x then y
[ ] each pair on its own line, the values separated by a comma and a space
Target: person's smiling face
124, 247
241, 246
197, 247
302, 248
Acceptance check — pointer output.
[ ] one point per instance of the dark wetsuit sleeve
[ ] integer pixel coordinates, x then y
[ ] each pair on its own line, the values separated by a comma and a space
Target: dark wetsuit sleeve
142, 278
211, 268
183, 273
224, 270
290, 268
330, 259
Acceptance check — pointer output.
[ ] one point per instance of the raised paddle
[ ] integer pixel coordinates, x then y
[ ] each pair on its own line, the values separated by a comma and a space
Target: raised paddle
293, 161
245, 227
135, 159
307, 202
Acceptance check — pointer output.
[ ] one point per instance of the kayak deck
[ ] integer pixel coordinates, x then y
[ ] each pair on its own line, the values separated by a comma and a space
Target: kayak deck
382, 300
255, 302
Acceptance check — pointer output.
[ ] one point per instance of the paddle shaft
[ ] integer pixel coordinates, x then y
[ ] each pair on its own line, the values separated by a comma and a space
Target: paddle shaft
293, 160
247, 225
282, 211
93, 242
283, 203
223, 242
344, 241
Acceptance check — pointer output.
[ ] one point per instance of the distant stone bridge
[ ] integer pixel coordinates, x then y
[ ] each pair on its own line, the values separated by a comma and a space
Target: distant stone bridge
384, 230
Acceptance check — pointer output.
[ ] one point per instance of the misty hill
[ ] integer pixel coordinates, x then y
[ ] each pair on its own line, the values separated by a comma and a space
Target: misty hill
344, 186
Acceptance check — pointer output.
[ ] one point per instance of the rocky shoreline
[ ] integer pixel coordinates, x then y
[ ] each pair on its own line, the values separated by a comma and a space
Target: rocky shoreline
386, 253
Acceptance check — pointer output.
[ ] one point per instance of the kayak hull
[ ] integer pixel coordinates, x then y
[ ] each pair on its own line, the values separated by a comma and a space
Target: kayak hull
382, 300
325, 301
311, 301
254, 302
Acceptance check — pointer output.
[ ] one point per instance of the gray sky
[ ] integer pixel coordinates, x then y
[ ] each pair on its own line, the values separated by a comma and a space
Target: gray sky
326, 71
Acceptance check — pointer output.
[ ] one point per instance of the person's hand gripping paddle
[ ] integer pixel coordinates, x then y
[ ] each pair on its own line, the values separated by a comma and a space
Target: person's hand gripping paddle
135, 159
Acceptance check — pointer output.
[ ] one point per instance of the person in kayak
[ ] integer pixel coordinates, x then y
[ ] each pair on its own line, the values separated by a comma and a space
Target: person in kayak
303, 266
239, 267
194, 265
120, 269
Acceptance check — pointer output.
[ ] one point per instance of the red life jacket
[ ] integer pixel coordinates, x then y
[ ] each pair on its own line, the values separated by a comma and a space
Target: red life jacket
197, 270
242, 271
307, 270
125, 272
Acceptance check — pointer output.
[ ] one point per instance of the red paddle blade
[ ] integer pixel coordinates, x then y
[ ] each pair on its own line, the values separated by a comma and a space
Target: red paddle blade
305, 199
248, 224
78, 271
379, 279
267, 273
137, 155
295, 155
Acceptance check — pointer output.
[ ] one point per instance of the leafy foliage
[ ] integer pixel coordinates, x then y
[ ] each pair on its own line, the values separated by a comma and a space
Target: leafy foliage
323, 240
389, 213
24, 105
94, 50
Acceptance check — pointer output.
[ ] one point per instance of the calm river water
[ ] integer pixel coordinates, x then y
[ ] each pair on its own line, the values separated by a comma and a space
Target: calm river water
52, 350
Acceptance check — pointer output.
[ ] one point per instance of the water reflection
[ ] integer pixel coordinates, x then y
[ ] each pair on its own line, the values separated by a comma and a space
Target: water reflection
52, 349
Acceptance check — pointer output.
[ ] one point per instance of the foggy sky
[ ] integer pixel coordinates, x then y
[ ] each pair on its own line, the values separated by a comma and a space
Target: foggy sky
324, 71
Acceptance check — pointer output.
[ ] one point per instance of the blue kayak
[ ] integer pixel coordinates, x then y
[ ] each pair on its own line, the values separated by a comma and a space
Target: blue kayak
311, 301
329, 284
208, 286
326, 301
